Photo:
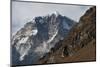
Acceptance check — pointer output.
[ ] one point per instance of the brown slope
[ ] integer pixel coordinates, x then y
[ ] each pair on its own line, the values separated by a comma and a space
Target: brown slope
80, 45
87, 53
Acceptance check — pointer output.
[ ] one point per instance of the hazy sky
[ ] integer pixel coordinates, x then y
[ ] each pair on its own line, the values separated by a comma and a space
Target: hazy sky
22, 12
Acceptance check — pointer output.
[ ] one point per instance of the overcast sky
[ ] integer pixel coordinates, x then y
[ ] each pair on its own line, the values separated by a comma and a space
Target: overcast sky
22, 12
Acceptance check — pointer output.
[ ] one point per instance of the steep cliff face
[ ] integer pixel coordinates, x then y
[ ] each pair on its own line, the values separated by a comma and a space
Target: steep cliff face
38, 36
80, 43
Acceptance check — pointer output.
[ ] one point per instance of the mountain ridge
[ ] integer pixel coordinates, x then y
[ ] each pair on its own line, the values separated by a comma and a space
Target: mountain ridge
81, 40
40, 33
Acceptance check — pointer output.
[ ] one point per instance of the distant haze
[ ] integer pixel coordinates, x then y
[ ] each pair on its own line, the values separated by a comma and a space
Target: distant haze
22, 12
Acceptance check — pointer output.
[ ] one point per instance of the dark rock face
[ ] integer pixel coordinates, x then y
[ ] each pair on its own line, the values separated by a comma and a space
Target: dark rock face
37, 37
74, 46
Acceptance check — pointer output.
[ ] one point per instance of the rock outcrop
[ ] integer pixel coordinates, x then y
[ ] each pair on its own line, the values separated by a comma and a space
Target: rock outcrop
79, 45
38, 36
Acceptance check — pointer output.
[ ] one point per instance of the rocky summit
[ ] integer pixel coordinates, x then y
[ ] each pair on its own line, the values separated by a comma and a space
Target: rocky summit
38, 37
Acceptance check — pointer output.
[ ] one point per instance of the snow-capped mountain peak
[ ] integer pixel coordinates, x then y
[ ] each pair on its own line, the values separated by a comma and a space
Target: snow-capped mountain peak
56, 13
38, 36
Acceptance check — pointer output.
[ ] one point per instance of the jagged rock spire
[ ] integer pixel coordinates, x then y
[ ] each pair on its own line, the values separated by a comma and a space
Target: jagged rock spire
56, 13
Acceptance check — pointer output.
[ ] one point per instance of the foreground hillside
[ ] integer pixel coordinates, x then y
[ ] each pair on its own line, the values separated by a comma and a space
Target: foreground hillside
79, 45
